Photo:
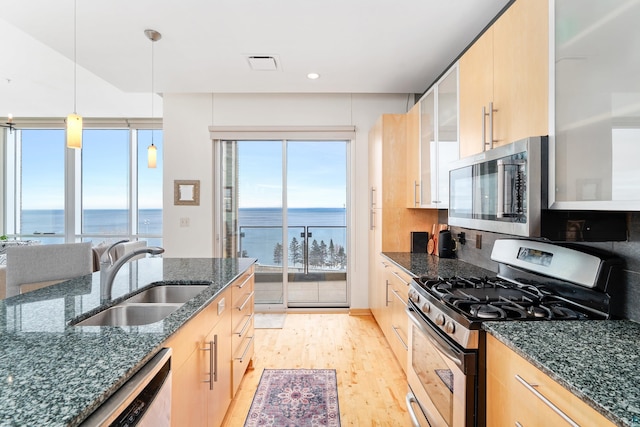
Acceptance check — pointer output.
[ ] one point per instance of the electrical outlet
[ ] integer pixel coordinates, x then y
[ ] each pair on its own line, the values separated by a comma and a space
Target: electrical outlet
185, 222
478, 241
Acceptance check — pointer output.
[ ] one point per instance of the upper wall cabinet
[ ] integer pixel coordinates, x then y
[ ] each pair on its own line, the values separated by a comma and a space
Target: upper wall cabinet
504, 80
437, 143
597, 105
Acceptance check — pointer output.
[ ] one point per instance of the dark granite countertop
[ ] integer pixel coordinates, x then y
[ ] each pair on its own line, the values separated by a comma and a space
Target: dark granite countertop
53, 374
421, 264
597, 360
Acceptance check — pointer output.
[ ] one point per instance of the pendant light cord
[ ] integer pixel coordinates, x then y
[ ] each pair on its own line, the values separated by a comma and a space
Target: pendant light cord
75, 50
152, 86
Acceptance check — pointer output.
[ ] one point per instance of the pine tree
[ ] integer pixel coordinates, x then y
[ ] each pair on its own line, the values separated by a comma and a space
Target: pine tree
323, 253
332, 254
295, 252
277, 254
315, 255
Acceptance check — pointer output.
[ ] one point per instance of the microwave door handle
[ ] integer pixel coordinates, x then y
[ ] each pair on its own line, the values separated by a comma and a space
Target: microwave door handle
442, 348
501, 190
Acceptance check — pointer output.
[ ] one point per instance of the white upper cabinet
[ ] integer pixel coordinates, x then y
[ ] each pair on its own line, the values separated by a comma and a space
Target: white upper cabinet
438, 140
595, 162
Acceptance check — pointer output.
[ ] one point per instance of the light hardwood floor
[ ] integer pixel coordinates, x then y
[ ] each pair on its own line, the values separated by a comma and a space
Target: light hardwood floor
371, 384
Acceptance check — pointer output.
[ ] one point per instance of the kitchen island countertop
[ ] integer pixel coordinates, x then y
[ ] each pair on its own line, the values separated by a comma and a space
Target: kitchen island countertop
53, 374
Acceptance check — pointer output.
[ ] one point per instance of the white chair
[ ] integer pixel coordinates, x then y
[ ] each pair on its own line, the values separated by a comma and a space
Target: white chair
34, 267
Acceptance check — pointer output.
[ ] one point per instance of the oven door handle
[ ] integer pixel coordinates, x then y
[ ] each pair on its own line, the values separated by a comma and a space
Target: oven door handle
444, 348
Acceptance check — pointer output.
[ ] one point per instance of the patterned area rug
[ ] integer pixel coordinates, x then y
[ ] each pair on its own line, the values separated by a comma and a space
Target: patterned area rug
295, 398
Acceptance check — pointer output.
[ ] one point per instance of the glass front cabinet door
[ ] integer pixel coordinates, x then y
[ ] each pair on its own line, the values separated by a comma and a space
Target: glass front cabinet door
438, 140
595, 163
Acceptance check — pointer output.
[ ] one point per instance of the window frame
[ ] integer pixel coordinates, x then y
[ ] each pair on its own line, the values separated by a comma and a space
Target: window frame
11, 179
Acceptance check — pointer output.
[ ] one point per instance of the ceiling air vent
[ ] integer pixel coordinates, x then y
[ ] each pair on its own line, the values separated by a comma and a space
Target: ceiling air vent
262, 63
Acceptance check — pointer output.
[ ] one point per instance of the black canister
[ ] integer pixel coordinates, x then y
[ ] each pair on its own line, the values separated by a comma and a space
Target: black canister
446, 244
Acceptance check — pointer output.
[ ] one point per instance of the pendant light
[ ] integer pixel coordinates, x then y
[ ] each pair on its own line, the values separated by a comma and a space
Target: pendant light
152, 151
74, 121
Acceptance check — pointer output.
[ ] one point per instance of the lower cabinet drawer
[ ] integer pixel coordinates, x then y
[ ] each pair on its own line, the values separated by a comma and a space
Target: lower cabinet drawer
242, 357
518, 393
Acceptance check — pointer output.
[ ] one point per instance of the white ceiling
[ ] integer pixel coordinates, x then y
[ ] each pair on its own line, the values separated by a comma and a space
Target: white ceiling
357, 46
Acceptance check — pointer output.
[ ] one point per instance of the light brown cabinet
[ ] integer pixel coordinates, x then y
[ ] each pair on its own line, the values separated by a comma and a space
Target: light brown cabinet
242, 326
518, 393
397, 289
506, 72
391, 222
211, 353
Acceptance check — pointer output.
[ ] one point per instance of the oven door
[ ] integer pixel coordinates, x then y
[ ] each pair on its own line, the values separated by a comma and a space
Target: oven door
442, 377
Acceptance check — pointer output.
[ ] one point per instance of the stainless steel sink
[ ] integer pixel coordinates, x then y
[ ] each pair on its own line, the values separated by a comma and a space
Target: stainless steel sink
149, 306
130, 315
167, 294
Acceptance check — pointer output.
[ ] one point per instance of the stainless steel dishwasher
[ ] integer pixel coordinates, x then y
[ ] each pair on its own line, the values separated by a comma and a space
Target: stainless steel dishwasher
144, 400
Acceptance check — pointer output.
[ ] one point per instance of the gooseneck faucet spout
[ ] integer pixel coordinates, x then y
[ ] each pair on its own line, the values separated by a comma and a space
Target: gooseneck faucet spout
109, 268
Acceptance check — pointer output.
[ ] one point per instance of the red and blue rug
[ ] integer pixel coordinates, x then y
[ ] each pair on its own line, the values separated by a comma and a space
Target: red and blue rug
295, 398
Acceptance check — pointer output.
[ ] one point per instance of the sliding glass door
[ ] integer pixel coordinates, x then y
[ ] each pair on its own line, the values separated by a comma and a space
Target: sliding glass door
284, 203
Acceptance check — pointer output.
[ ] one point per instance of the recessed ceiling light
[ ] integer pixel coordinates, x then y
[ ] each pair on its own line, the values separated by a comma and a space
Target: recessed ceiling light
313, 76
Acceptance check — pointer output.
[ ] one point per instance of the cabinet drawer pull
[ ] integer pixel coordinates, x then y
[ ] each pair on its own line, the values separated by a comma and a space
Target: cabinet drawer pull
244, 353
518, 424
395, 331
246, 301
546, 401
386, 294
399, 297
240, 286
246, 325
213, 361
400, 278
415, 196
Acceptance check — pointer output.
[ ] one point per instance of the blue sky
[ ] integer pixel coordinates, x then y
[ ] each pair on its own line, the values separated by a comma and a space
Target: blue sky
105, 170
316, 171
316, 174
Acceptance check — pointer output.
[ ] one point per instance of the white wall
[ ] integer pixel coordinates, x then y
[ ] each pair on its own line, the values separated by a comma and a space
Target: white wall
188, 154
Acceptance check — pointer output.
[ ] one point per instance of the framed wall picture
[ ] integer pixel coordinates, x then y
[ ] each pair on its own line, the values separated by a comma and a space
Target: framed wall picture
186, 192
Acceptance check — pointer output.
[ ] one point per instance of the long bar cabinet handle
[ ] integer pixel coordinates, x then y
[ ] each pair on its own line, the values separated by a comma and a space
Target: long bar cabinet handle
240, 286
246, 325
491, 111
244, 353
546, 401
400, 278
484, 128
395, 331
246, 301
415, 196
213, 361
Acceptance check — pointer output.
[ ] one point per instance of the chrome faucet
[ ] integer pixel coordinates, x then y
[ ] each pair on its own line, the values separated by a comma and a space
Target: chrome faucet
109, 268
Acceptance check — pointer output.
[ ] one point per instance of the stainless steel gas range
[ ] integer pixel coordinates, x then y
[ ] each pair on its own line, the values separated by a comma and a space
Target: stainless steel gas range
536, 281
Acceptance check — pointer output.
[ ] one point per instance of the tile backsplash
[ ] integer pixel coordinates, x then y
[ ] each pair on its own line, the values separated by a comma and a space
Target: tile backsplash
629, 251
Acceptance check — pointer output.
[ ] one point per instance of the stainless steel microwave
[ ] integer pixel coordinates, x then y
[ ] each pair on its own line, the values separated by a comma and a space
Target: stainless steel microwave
503, 190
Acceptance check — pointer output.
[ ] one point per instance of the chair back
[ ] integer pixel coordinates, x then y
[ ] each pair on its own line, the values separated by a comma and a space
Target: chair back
33, 267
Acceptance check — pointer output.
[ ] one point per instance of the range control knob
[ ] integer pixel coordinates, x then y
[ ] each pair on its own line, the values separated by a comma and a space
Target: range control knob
426, 307
450, 327
440, 319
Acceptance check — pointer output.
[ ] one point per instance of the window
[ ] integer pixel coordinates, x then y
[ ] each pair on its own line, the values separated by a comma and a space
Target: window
113, 195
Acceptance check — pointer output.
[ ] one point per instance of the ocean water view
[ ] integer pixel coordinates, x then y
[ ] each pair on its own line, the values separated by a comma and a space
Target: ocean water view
261, 233
94, 221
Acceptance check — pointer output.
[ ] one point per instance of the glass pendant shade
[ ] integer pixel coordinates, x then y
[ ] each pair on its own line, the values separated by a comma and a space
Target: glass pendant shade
152, 153
74, 131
